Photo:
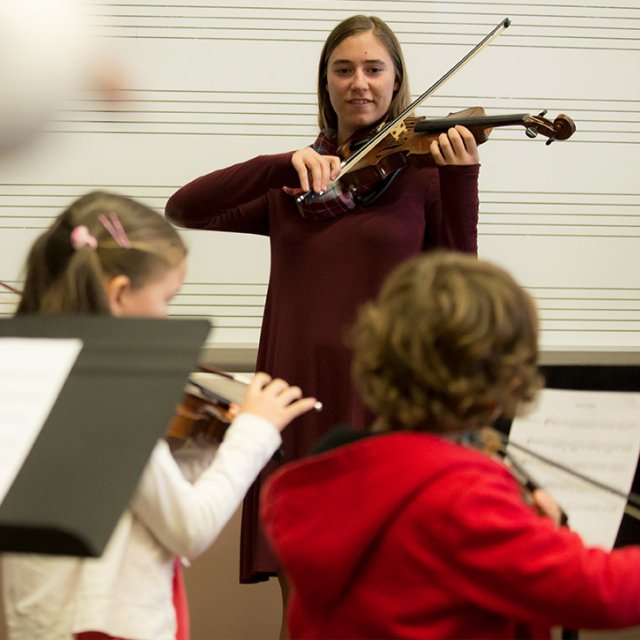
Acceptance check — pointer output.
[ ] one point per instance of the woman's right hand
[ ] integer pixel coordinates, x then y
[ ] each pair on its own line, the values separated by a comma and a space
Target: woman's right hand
275, 400
321, 169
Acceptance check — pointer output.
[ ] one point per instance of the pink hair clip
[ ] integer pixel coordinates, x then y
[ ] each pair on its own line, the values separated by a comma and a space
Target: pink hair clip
80, 237
113, 225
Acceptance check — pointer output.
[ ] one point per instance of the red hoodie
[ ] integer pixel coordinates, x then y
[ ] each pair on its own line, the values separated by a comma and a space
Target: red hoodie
408, 535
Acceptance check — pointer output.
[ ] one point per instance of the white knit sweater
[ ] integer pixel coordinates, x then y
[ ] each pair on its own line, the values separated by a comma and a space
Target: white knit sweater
127, 592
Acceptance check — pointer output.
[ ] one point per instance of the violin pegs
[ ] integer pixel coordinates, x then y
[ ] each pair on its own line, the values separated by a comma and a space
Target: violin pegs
531, 132
542, 113
550, 140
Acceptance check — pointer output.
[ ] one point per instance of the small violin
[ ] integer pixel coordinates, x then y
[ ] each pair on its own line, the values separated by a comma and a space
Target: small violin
209, 404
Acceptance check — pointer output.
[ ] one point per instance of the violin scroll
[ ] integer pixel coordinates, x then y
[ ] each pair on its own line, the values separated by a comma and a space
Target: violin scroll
481, 125
561, 128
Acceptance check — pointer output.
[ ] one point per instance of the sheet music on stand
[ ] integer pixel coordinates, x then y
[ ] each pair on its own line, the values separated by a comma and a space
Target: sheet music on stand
83, 402
32, 373
587, 419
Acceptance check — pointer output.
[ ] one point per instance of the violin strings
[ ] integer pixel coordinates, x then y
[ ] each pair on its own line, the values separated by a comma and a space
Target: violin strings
8, 287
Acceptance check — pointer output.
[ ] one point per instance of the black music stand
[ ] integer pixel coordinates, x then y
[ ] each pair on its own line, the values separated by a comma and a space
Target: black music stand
116, 403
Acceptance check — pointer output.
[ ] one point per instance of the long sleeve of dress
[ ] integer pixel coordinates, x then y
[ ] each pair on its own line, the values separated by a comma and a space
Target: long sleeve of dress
452, 220
234, 198
186, 518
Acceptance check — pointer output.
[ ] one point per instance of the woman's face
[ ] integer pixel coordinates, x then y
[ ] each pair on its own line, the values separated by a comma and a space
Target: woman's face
361, 80
151, 300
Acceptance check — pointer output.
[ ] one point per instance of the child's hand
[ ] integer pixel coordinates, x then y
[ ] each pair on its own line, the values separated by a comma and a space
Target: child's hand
545, 505
275, 400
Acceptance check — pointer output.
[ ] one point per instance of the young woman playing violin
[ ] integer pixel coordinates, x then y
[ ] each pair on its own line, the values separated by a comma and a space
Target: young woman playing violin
331, 254
410, 531
107, 254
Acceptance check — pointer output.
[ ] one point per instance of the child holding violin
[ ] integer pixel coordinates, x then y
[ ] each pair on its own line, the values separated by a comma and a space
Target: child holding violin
329, 254
108, 254
410, 531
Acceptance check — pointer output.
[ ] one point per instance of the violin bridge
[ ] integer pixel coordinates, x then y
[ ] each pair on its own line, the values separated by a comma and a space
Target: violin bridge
398, 131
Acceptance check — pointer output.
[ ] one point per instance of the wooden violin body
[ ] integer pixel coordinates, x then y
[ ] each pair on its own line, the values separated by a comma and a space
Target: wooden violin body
208, 406
195, 417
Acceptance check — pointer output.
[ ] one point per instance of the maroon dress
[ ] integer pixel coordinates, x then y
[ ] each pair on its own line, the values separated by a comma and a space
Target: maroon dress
321, 272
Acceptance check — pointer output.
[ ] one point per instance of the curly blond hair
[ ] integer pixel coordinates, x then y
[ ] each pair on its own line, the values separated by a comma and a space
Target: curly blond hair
450, 343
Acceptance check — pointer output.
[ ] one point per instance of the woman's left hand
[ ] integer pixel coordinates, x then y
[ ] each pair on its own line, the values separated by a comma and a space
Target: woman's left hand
456, 146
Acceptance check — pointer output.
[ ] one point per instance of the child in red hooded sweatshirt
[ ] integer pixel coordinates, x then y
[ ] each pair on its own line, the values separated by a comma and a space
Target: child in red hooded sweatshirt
408, 532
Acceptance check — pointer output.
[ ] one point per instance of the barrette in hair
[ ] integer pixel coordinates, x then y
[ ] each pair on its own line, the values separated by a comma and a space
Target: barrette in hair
80, 237
112, 224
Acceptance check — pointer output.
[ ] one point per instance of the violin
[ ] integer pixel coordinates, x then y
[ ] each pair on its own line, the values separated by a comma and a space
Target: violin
409, 144
209, 404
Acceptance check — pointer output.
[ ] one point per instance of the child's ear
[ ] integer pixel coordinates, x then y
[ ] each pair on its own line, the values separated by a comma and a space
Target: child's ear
117, 288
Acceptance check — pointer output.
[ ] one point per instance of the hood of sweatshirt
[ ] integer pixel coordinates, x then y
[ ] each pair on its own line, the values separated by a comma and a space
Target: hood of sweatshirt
325, 514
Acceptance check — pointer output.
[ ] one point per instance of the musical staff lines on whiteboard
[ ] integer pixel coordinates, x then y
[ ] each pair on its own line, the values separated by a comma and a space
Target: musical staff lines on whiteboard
540, 24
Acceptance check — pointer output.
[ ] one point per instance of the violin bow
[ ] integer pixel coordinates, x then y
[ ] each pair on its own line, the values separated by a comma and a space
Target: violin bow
8, 287
632, 500
388, 127
209, 368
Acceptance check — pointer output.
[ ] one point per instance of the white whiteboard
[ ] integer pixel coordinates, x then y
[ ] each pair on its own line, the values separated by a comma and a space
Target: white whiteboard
212, 84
